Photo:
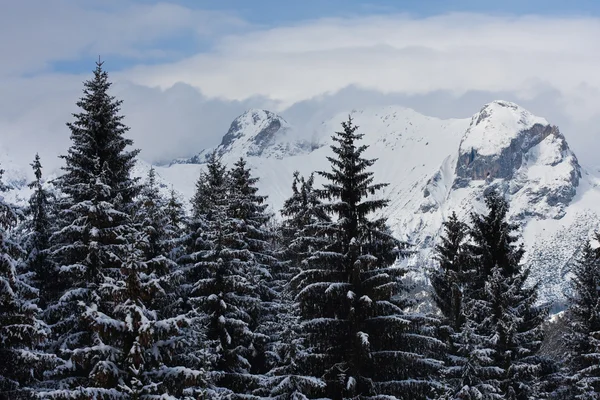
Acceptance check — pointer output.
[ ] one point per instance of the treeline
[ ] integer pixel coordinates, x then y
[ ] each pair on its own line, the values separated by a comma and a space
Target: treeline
111, 290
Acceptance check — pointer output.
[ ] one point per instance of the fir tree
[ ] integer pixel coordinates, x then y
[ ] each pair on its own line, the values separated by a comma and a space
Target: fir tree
583, 321
90, 246
221, 278
449, 283
360, 339
503, 323
303, 213
452, 277
20, 327
37, 230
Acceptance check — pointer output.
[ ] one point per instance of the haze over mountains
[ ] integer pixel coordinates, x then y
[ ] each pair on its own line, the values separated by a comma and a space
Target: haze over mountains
434, 166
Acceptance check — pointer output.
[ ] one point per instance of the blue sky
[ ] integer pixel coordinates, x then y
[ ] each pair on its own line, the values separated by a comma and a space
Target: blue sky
276, 13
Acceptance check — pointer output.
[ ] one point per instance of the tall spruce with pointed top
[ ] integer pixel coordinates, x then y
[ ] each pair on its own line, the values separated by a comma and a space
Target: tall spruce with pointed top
21, 330
220, 278
90, 245
361, 340
37, 230
503, 322
583, 322
450, 282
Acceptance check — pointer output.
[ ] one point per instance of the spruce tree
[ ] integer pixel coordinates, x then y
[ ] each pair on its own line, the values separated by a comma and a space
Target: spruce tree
451, 279
450, 282
221, 274
37, 230
503, 329
21, 330
90, 245
583, 322
361, 340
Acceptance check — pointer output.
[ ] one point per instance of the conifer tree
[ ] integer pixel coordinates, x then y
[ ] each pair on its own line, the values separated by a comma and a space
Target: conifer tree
583, 321
21, 330
154, 222
452, 277
450, 283
361, 340
503, 329
250, 242
221, 278
303, 213
90, 246
37, 230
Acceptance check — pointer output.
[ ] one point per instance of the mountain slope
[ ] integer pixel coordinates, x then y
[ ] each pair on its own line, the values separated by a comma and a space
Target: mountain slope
437, 166
434, 167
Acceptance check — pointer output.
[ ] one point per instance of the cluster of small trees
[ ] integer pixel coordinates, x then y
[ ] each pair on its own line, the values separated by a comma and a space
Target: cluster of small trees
110, 290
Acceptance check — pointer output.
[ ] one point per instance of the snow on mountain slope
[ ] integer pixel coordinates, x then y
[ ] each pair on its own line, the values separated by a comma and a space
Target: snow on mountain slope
256, 133
434, 167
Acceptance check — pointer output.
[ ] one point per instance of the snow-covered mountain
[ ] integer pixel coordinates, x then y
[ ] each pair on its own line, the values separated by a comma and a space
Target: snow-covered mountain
256, 133
434, 167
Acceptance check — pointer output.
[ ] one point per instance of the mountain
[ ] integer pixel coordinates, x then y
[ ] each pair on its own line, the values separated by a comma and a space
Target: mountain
256, 133
436, 166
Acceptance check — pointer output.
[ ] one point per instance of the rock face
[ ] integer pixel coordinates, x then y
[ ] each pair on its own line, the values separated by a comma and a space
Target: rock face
530, 156
257, 133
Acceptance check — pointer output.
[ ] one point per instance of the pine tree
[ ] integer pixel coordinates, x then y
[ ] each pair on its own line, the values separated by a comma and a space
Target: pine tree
90, 246
21, 330
361, 340
449, 283
220, 277
303, 213
251, 240
583, 321
503, 323
37, 230
452, 277
154, 222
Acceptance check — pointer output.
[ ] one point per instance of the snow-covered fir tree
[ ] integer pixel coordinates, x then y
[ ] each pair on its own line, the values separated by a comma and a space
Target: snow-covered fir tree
225, 268
303, 212
21, 330
90, 246
583, 327
449, 283
153, 220
36, 232
452, 278
360, 339
503, 328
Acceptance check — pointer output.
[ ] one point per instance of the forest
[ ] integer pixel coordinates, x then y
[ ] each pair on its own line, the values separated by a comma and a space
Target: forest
111, 290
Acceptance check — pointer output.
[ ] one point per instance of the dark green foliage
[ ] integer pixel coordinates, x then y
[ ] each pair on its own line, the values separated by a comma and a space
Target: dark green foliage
360, 340
90, 246
583, 322
20, 327
503, 329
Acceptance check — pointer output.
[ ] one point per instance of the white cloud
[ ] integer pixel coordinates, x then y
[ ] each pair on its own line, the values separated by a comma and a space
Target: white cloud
445, 66
398, 54
35, 33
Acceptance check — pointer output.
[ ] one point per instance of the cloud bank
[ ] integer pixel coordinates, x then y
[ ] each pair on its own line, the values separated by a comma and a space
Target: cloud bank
178, 102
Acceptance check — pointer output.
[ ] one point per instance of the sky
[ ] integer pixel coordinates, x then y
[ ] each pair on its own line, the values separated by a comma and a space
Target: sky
185, 69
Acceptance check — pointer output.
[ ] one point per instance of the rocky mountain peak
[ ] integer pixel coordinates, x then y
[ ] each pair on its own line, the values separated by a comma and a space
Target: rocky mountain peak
531, 157
257, 133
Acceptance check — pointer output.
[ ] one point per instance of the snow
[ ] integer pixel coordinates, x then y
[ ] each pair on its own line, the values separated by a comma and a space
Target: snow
418, 156
496, 125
